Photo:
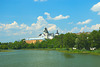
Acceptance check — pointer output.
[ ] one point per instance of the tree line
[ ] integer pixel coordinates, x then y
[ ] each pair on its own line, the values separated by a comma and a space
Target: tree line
68, 40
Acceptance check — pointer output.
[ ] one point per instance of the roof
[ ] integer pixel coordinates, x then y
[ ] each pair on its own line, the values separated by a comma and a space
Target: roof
35, 38
45, 30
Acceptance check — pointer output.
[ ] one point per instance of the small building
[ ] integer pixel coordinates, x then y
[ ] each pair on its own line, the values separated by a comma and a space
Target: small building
74, 48
92, 48
33, 40
83, 33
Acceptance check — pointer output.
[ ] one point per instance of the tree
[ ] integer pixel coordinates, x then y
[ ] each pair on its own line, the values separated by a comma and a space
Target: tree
69, 40
83, 41
3, 46
37, 44
0, 43
95, 39
76, 43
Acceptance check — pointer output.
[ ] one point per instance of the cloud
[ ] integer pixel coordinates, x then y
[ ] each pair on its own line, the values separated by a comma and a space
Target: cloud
88, 29
60, 17
35, 0
40, 0
96, 8
14, 29
85, 28
9, 26
75, 29
99, 13
52, 27
95, 27
85, 22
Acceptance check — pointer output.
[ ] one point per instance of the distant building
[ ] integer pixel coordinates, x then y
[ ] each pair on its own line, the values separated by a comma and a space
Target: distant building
46, 34
57, 33
83, 32
92, 48
43, 36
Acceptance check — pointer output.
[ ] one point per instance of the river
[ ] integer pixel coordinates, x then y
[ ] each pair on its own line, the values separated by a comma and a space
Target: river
44, 58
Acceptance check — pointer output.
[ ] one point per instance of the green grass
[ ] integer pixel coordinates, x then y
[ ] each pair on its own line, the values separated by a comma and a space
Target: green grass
6, 50
40, 49
95, 52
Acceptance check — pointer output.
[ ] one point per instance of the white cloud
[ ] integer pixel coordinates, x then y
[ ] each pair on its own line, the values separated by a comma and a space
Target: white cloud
96, 8
0, 26
23, 26
85, 22
48, 15
95, 27
75, 29
35, 0
43, 0
34, 30
85, 28
40, 0
9, 26
41, 22
52, 27
98, 13
60, 17
89, 29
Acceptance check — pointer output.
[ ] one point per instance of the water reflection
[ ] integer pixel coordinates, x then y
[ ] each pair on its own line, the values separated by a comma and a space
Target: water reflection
68, 55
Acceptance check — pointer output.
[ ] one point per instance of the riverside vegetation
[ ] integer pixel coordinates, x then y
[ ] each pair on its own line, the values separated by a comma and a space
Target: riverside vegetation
63, 43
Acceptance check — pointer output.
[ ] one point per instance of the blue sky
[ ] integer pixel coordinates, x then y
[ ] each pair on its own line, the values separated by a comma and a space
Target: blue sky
27, 18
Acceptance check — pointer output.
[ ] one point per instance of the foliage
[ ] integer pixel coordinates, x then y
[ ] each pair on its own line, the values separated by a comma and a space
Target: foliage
67, 41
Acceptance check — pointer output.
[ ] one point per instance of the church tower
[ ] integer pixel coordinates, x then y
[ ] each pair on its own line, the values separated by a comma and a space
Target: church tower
57, 33
45, 32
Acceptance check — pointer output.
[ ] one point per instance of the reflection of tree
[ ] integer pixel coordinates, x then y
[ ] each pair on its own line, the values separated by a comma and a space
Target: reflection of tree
68, 55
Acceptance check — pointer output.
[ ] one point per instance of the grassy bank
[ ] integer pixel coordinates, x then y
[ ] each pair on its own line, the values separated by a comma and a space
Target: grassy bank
6, 50
40, 49
95, 52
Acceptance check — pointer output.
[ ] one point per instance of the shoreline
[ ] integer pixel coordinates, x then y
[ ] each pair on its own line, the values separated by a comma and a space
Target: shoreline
95, 52
6, 50
84, 52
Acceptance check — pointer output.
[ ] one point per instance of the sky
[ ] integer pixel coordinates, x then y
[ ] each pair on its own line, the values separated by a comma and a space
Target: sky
27, 18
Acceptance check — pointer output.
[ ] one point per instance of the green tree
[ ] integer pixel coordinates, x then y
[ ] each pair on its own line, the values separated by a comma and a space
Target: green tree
0, 43
3, 46
94, 39
37, 45
69, 40
76, 43
83, 41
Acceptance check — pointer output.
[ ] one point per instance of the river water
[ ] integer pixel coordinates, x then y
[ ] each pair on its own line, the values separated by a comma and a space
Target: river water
44, 58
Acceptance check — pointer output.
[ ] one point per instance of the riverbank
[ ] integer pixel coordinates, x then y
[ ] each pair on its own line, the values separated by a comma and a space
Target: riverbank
95, 52
6, 50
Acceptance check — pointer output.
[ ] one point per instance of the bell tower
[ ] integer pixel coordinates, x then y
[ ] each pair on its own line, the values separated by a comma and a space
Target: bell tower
57, 33
45, 32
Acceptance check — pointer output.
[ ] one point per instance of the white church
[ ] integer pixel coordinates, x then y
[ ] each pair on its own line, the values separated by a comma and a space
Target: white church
44, 35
